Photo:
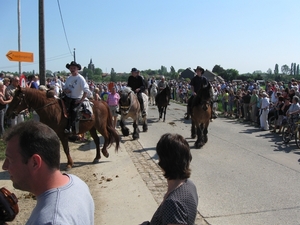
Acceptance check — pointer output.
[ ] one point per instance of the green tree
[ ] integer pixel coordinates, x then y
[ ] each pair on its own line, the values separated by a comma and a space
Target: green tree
218, 70
98, 72
285, 69
276, 70
163, 70
113, 75
269, 71
297, 70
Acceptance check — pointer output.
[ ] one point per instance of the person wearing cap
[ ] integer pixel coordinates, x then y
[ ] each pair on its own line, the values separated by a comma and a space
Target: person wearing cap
76, 90
104, 94
294, 110
162, 84
136, 83
264, 124
197, 83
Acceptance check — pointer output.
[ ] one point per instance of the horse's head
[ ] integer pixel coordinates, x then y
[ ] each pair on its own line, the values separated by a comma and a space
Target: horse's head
18, 103
125, 100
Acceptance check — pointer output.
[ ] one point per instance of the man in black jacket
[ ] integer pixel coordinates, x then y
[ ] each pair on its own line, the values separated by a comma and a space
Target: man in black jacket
136, 82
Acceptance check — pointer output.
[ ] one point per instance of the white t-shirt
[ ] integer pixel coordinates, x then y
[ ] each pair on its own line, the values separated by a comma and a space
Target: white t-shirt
77, 85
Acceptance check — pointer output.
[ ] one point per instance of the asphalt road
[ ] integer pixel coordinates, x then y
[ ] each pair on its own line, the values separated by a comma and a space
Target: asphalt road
243, 175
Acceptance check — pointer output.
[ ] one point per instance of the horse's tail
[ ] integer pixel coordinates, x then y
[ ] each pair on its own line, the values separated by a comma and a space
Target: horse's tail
113, 135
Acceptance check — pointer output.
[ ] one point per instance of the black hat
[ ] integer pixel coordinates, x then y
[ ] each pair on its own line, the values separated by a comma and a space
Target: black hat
199, 68
134, 70
73, 63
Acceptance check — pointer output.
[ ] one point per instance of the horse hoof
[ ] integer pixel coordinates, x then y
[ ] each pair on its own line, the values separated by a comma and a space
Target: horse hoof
193, 136
106, 154
198, 145
96, 161
69, 167
135, 137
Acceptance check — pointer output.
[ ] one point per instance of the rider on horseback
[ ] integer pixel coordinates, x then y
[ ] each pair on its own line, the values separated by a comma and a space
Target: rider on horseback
76, 90
136, 82
161, 86
198, 82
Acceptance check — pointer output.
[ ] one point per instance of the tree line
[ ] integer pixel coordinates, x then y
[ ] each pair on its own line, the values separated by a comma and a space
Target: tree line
284, 74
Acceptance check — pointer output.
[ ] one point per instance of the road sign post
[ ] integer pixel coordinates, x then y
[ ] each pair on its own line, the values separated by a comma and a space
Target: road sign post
20, 56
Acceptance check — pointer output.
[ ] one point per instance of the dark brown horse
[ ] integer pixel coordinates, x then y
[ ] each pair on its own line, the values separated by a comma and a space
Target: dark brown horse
51, 113
201, 113
162, 100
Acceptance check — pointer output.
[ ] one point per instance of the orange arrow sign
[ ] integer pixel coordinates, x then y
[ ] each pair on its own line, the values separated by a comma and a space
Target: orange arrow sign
20, 56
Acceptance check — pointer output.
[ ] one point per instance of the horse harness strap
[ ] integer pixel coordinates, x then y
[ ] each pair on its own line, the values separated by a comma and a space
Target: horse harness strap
50, 103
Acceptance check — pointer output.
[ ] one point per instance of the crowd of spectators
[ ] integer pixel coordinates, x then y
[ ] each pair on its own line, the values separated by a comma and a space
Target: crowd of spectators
251, 102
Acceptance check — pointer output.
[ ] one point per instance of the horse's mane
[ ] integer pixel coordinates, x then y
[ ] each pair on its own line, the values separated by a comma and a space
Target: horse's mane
126, 90
35, 95
203, 94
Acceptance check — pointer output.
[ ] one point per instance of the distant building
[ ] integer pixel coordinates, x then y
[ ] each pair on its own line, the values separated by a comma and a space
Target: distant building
189, 73
91, 66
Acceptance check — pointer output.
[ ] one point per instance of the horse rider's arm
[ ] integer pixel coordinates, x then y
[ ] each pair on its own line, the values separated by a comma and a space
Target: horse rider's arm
82, 98
192, 90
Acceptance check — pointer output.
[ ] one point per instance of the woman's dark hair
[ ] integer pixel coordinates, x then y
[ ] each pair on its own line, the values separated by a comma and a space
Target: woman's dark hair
174, 156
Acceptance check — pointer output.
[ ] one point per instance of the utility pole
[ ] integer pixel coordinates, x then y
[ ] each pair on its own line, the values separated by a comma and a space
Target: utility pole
74, 55
19, 34
42, 43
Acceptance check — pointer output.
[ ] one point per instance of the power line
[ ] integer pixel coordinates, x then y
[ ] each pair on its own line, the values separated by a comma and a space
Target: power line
62, 21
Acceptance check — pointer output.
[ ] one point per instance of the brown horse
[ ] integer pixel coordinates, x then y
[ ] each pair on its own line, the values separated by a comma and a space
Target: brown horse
51, 114
201, 113
162, 100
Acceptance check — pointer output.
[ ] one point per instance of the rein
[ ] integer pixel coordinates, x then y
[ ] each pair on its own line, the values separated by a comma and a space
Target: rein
24, 99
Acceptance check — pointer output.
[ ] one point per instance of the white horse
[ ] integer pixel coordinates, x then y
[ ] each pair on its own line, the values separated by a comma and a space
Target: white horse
153, 93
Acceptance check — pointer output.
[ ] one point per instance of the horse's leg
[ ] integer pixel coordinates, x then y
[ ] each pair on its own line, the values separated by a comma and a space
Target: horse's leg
165, 109
95, 137
193, 129
205, 139
124, 129
135, 134
65, 143
198, 143
145, 124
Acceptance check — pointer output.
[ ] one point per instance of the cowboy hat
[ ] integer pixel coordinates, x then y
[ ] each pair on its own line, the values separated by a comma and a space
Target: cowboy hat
73, 63
199, 68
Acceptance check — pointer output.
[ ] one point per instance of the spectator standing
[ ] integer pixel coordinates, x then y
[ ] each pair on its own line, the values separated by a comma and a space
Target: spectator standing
246, 103
264, 112
113, 103
96, 96
3, 104
33, 161
179, 205
104, 94
253, 105
9, 93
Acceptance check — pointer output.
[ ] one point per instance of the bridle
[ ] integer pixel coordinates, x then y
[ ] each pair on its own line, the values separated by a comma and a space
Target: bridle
125, 108
23, 99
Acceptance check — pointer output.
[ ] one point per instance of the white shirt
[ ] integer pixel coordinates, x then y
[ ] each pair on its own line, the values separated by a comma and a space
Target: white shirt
77, 85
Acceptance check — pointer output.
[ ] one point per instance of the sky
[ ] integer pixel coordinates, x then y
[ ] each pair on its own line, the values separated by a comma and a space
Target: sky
246, 35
